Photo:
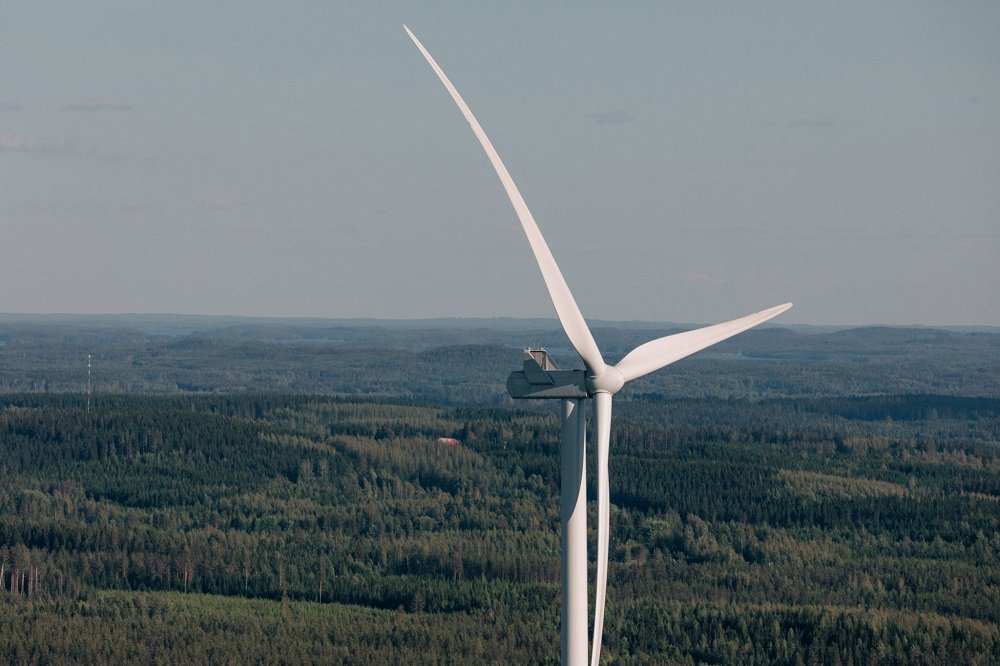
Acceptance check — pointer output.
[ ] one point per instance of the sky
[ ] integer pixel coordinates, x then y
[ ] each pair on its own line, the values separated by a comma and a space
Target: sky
686, 161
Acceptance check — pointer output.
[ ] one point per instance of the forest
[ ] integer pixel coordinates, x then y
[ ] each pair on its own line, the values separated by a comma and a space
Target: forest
279, 494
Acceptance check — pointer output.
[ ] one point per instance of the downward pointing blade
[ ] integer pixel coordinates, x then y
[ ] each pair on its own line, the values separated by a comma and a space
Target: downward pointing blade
569, 314
664, 351
602, 430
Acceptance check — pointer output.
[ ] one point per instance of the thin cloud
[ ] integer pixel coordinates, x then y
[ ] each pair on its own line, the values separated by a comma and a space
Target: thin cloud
98, 155
134, 209
616, 117
49, 147
9, 106
811, 122
704, 278
220, 204
98, 105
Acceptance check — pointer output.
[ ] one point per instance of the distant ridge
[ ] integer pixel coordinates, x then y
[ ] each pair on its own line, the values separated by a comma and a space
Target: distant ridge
182, 324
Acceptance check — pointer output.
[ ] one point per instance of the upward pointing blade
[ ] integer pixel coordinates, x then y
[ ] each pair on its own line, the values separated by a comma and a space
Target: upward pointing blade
569, 314
663, 351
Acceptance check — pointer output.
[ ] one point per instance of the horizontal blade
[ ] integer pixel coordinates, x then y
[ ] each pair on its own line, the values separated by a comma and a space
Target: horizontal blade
662, 352
569, 314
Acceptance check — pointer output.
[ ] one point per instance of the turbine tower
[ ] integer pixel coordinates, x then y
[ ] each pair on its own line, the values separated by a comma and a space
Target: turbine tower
541, 379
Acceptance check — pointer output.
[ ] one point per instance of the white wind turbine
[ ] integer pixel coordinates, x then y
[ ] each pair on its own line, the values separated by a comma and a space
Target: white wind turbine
540, 379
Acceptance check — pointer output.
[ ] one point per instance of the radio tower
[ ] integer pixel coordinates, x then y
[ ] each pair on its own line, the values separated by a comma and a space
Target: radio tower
88, 383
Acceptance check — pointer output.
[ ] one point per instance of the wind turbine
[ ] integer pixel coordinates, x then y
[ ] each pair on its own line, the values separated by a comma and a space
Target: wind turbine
541, 379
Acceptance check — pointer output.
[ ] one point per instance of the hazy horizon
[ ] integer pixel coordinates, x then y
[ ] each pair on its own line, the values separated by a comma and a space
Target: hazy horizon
265, 319
686, 163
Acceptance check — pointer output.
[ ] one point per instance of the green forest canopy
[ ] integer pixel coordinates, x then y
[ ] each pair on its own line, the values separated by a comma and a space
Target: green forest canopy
793, 525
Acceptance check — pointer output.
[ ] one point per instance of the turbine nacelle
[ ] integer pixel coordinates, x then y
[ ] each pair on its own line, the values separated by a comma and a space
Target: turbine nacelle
541, 378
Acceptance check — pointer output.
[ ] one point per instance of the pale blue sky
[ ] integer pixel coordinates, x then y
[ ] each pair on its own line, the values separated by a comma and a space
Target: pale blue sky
686, 161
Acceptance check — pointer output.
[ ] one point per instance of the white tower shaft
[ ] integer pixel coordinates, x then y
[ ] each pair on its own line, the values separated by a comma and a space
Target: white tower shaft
573, 515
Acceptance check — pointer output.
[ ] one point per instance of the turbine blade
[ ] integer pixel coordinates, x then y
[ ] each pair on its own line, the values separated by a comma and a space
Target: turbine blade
602, 430
569, 314
663, 351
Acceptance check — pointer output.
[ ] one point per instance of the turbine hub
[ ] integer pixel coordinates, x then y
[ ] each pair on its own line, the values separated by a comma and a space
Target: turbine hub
610, 381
